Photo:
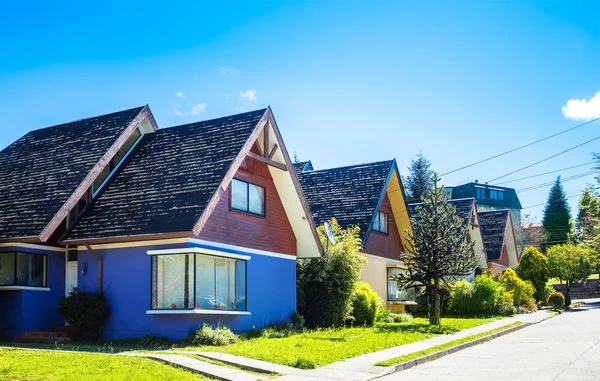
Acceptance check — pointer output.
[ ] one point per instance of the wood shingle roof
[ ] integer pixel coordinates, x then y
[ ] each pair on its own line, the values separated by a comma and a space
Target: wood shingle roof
40, 171
493, 228
168, 182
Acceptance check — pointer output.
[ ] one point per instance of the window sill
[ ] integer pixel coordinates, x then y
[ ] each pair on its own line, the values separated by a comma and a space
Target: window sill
23, 288
195, 312
406, 302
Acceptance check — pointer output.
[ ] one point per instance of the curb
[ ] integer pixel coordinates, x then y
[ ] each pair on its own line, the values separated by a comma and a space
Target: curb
434, 356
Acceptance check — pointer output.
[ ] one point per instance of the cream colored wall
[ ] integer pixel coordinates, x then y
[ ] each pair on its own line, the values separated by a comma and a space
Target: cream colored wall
475, 234
374, 272
511, 246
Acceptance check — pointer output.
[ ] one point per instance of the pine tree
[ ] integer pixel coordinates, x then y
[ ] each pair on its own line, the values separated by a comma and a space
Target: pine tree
438, 249
419, 178
557, 217
587, 215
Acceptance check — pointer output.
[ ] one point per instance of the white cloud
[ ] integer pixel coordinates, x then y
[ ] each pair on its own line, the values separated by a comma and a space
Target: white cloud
177, 112
197, 109
583, 109
249, 95
229, 70
180, 95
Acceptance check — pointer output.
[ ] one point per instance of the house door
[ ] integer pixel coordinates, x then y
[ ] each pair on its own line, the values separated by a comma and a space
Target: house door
71, 276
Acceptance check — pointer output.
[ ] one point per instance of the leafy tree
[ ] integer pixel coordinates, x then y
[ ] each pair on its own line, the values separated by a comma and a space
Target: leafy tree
570, 264
438, 249
557, 217
587, 215
325, 285
534, 268
419, 178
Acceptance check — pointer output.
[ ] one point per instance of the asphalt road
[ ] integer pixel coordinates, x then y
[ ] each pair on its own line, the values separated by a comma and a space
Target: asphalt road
566, 347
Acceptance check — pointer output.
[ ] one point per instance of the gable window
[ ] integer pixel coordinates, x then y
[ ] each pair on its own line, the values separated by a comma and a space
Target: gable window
116, 161
247, 197
380, 224
496, 194
197, 281
480, 193
396, 294
22, 269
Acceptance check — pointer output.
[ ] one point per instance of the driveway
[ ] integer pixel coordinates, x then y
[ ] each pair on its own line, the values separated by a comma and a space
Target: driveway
566, 347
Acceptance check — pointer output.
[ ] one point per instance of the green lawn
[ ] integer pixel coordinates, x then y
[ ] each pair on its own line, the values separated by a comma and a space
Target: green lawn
441, 347
18, 364
317, 348
557, 281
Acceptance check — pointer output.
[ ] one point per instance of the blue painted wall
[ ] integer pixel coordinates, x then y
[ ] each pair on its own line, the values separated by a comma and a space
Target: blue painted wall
271, 294
22, 311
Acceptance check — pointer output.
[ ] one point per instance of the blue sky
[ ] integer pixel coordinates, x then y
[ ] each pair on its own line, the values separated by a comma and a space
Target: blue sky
348, 82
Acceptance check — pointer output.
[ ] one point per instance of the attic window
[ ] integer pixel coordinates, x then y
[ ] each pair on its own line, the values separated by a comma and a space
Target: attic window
480, 193
380, 224
247, 197
116, 161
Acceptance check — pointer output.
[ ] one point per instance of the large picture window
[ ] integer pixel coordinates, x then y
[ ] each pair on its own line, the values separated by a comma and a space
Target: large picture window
247, 197
394, 293
197, 281
22, 269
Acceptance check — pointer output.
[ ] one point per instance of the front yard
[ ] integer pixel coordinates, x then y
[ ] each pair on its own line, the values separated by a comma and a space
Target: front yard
19, 364
313, 349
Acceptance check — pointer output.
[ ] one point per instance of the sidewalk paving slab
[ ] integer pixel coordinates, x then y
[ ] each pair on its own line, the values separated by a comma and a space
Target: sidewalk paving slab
246, 363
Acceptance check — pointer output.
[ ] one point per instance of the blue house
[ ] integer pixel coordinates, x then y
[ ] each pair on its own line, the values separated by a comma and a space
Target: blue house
198, 223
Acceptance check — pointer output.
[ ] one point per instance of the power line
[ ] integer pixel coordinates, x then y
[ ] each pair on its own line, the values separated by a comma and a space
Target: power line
544, 203
549, 183
546, 159
521, 147
545, 173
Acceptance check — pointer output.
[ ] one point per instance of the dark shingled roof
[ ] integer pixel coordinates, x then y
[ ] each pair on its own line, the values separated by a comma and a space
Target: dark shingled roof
463, 206
350, 194
40, 171
511, 200
169, 181
302, 166
493, 227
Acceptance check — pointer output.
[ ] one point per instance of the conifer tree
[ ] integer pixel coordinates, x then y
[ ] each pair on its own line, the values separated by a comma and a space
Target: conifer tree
557, 217
587, 215
438, 249
419, 178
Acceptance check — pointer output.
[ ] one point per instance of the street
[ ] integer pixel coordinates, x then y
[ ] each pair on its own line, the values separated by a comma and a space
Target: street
565, 347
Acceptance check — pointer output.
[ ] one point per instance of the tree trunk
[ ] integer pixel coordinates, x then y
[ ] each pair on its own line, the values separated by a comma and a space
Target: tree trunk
434, 317
568, 295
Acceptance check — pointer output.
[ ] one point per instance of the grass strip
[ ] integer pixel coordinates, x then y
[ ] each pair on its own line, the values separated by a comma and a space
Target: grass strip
441, 347
228, 365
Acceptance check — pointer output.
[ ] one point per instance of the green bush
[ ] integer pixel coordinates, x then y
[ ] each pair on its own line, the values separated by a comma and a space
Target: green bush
396, 318
521, 290
214, 336
325, 285
365, 303
86, 313
557, 300
548, 290
485, 295
533, 267
298, 322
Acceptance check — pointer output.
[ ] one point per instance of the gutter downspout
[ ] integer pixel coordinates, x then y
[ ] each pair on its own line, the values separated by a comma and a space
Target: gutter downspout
99, 260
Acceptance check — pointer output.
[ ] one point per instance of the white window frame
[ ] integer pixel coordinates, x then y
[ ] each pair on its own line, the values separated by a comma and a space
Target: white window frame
377, 223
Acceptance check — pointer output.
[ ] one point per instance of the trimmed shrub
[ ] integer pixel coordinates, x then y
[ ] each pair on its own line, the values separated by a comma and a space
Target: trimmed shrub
557, 300
485, 295
396, 318
85, 312
548, 290
297, 321
522, 291
365, 303
214, 336
533, 267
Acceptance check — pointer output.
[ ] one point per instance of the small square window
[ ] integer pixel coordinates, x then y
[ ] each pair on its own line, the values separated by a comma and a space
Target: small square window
480, 193
380, 223
247, 197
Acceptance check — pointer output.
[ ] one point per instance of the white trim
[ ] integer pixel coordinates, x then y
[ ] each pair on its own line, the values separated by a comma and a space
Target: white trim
171, 241
33, 246
241, 248
199, 250
388, 261
23, 288
195, 312
405, 302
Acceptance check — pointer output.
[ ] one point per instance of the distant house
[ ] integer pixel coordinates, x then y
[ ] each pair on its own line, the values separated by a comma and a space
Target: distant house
198, 223
371, 197
467, 211
499, 239
532, 234
492, 197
